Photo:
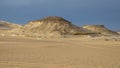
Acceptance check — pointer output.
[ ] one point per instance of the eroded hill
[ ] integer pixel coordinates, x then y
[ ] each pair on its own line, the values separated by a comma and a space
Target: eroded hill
101, 29
52, 26
8, 25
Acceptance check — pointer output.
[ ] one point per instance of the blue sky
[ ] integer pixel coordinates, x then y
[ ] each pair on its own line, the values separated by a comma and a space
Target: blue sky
79, 12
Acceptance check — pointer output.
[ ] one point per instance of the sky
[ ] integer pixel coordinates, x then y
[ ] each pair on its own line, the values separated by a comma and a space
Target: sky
79, 12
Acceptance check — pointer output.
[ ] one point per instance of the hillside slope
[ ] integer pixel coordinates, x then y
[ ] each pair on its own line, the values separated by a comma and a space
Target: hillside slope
53, 26
8, 25
101, 29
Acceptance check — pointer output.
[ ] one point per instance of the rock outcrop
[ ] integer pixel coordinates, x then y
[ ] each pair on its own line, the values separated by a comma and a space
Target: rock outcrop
101, 29
52, 26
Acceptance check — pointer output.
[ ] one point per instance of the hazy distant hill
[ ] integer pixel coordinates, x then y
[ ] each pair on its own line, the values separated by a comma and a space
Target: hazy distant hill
8, 25
119, 32
100, 29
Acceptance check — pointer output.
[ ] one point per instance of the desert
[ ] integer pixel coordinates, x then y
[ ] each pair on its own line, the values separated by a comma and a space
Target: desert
60, 53
54, 42
59, 33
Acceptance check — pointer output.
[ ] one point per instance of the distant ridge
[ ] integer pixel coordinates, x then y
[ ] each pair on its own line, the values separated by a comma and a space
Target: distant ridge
53, 27
119, 32
8, 25
100, 29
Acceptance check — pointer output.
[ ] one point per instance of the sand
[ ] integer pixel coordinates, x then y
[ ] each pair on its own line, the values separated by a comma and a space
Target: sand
58, 53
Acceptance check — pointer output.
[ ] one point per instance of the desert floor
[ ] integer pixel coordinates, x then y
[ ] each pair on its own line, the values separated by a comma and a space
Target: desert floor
59, 53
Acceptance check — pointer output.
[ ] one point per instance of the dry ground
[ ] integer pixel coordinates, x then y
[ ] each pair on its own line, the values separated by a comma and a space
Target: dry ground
60, 53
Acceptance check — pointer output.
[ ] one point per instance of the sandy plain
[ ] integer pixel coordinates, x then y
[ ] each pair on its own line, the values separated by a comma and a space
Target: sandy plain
58, 53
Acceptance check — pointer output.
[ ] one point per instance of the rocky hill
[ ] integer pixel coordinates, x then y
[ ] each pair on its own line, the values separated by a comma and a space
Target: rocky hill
101, 29
52, 26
